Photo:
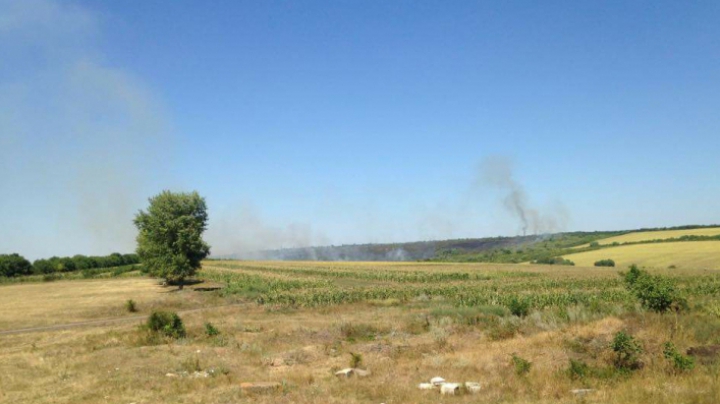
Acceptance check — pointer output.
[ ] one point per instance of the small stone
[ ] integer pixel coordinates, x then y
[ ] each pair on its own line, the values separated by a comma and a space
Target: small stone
472, 387
171, 375
581, 392
450, 389
437, 381
260, 387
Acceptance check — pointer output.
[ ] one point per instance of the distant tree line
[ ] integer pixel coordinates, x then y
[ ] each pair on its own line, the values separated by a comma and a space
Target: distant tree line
16, 265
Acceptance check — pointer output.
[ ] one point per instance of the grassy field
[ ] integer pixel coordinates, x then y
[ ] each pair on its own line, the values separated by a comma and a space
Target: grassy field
298, 322
658, 235
691, 254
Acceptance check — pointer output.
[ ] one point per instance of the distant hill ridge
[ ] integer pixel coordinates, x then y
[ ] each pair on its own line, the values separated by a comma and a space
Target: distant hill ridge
489, 249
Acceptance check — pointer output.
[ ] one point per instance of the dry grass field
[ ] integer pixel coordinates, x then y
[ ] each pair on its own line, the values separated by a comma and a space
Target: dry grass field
409, 322
690, 254
638, 236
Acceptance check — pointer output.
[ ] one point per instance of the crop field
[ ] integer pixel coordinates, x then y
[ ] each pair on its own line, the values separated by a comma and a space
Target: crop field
690, 254
639, 236
297, 323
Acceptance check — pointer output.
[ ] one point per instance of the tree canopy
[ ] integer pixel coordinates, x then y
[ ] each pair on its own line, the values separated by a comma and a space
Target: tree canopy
170, 242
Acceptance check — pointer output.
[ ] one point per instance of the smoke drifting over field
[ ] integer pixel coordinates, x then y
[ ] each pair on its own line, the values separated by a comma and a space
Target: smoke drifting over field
497, 173
81, 140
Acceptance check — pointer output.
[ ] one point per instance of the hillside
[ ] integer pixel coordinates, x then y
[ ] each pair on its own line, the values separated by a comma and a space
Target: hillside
641, 236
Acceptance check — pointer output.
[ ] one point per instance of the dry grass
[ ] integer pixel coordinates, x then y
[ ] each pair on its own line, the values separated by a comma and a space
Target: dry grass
690, 254
402, 345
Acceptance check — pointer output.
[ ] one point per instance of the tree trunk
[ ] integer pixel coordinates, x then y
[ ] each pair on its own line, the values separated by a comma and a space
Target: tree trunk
181, 281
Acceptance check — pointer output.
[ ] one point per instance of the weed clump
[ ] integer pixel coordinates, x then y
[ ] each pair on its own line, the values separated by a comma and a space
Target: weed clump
211, 330
519, 307
130, 306
522, 366
166, 323
356, 360
578, 370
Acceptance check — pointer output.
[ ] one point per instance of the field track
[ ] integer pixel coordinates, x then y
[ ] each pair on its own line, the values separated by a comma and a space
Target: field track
101, 322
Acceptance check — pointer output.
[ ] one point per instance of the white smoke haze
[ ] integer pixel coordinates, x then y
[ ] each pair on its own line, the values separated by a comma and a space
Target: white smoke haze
244, 230
90, 135
497, 173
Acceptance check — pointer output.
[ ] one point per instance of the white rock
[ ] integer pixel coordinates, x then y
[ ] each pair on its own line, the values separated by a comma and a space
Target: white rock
426, 386
581, 392
437, 380
345, 372
349, 372
472, 387
450, 389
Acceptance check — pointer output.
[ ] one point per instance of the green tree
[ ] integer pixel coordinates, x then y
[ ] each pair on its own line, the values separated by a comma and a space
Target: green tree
14, 265
170, 243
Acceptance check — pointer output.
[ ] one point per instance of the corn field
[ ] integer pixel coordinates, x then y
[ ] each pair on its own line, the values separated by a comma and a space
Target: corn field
317, 284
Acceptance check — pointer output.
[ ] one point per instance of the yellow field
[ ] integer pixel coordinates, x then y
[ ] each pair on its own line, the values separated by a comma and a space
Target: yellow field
689, 254
658, 235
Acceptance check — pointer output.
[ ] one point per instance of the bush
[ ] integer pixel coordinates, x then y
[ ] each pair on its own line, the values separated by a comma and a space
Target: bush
211, 330
553, 261
656, 293
519, 307
166, 323
605, 263
130, 306
680, 362
522, 366
626, 349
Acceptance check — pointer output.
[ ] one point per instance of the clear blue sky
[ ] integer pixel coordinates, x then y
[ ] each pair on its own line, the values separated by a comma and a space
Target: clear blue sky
353, 121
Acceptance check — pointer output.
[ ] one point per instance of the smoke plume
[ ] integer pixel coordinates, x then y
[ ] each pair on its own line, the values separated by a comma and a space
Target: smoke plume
497, 173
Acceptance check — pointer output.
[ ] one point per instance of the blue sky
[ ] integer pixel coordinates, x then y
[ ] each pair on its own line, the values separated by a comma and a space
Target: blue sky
346, 122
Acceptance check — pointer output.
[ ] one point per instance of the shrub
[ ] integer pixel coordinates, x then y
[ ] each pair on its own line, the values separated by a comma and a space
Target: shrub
166, 323
605, 263
594, 244
519, 307
522, 366
680, 362
626, 349
211, 330
130, 306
